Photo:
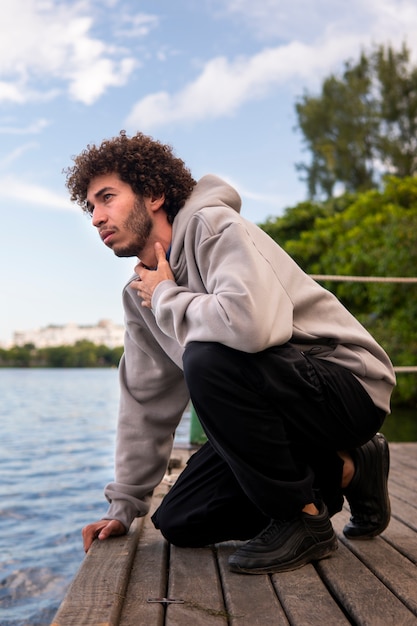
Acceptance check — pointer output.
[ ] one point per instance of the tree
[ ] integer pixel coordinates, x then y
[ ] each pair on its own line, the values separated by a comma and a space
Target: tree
18, 356
373, 233
376, 235
302, 217
362, 126
398, 113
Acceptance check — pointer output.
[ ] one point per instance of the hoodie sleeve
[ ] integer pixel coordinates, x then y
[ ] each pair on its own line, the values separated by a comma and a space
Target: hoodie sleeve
152, 401
241, 302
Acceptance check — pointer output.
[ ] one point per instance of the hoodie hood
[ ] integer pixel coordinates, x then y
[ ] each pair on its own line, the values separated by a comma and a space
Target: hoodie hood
210, 191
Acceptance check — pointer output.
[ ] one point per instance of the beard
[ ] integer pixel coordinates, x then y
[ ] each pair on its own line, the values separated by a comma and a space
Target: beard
140, 225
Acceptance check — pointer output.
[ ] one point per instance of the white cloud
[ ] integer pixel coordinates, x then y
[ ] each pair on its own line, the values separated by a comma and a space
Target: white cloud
139, 25
15, 189
303, 19
91, 81
225, 85
272, 19
49, 41
32, 129
15, 154
11, 92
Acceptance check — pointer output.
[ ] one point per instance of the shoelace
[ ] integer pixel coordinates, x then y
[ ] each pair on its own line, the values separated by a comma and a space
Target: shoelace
273, 528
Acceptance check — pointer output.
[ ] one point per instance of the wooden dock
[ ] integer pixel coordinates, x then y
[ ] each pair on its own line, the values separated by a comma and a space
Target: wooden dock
140, 580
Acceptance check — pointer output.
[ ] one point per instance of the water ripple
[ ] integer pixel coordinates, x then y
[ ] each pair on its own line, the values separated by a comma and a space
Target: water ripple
56, 455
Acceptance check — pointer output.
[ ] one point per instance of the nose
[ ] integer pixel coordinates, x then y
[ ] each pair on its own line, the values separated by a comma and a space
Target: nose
98, 216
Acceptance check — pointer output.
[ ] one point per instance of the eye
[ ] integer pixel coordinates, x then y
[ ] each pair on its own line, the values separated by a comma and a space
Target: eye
107, 196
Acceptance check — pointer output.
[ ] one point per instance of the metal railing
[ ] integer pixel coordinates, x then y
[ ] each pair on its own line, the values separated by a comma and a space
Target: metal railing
372, 279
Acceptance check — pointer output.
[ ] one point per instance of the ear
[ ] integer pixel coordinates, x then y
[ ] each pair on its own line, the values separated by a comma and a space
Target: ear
155, 202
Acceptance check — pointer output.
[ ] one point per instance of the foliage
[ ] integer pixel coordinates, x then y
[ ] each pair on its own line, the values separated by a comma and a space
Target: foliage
373, 233
363, 125
81, 354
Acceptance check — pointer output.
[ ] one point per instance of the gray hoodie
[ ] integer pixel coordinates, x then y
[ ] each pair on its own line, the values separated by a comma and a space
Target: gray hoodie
236, 286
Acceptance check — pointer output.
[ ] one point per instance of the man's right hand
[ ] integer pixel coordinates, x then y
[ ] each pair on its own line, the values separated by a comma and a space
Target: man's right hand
101, 530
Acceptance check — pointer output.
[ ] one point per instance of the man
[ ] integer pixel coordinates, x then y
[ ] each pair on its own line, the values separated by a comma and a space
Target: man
290, 389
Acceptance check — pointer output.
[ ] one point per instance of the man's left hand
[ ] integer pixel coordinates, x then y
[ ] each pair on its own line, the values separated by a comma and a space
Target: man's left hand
149, 279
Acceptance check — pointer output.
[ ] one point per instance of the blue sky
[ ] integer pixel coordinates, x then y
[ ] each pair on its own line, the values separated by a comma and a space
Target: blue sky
217, 79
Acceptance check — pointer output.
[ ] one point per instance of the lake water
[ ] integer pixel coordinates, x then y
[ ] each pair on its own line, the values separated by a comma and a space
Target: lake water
56, 455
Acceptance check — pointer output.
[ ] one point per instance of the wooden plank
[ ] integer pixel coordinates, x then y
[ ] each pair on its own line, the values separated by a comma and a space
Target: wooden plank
403, 460
97, 592
149, 575
148, 580
396, 572
363, 583
403, 471
402, 504
404, 454
364, 597
403, 539
404, 491
250, 600
403, 511
306, 599
403, 474
193, 578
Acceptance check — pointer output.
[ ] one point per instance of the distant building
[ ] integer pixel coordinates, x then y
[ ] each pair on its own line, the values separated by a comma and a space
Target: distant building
104, 333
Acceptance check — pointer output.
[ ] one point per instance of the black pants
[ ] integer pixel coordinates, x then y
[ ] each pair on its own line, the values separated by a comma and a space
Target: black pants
274, 422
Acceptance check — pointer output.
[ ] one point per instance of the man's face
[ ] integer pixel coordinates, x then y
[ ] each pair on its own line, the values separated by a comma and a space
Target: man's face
121, 218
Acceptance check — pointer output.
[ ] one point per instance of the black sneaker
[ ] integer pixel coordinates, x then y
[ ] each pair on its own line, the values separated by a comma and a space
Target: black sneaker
367, 493
286, 545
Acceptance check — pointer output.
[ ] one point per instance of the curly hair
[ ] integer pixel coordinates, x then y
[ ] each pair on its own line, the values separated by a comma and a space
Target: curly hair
148, 166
